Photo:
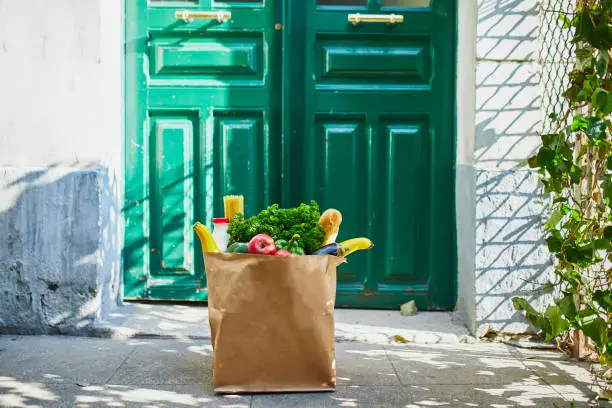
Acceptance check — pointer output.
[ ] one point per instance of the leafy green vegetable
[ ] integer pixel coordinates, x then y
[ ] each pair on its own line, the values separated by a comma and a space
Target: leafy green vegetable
292, 246
281, 224
295, 249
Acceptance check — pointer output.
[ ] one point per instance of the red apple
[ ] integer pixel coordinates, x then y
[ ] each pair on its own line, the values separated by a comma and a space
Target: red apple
283, 253
262, 244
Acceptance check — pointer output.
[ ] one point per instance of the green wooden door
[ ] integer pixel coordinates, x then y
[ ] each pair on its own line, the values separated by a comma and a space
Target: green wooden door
203, 121
377, 142
291, 102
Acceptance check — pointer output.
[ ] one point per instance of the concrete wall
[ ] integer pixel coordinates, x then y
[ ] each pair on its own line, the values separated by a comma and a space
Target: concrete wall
60, 162
501, 249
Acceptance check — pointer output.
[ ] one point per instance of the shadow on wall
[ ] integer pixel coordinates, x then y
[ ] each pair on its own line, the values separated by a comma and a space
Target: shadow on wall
511, 255
508, 82
59, 262
511, 258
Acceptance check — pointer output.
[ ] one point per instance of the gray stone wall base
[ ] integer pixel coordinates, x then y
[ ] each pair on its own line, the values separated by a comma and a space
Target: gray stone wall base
59, 249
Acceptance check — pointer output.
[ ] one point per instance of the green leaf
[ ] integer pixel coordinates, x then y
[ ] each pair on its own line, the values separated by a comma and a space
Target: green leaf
607, 191
565, 20
601, 243
607, 232
596, 128
558, 324
602, 64
567, 152
602, 101
567, 307
609, 163
579, 255
536, 318
600, 98
576, 216
545, 157
594, 327
575, 174
554, 244
565, 209
533, 162
579, 123
552, 186
604, 299
552, 140
572, 277
554, 219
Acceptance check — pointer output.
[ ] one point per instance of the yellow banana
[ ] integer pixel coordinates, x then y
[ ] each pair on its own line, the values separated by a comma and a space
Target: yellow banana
206, 238
355, 244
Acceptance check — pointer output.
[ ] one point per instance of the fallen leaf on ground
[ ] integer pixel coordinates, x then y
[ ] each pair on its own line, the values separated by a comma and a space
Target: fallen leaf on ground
400, 339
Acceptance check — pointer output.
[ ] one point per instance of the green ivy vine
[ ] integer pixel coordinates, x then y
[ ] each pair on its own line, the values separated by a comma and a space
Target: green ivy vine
575, 167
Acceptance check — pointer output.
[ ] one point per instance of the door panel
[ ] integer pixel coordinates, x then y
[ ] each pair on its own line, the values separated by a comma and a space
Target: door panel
206, 60
378, 138
372, 62
209, 97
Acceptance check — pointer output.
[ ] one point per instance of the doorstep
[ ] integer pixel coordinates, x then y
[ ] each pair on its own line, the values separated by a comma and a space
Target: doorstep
372, 326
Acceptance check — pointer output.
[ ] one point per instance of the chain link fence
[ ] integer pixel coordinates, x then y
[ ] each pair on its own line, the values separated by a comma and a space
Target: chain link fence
556, 56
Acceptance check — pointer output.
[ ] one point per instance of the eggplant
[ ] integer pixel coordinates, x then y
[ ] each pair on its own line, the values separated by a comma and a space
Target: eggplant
329, 249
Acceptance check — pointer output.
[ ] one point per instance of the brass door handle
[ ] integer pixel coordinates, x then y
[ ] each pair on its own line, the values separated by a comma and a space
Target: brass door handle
188, 16
390, 19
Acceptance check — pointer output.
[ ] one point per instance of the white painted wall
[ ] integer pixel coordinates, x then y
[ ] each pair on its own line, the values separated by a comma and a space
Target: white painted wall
500, 239
60, 76
61, 157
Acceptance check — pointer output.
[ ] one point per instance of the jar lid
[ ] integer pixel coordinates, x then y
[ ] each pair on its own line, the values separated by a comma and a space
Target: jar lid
220, 220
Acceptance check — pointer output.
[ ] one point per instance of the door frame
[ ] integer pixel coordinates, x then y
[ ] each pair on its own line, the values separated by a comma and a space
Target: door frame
135, 110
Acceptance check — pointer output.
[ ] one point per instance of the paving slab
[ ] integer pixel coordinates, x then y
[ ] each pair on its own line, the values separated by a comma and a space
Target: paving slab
167, 362
565, 375
419, 365
363, 364
50, 359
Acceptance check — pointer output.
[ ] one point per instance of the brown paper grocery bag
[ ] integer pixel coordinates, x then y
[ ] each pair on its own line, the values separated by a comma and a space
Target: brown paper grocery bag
272, 322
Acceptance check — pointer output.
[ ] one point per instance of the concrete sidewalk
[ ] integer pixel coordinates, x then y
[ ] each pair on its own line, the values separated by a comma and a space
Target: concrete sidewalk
169, 364
52, 371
